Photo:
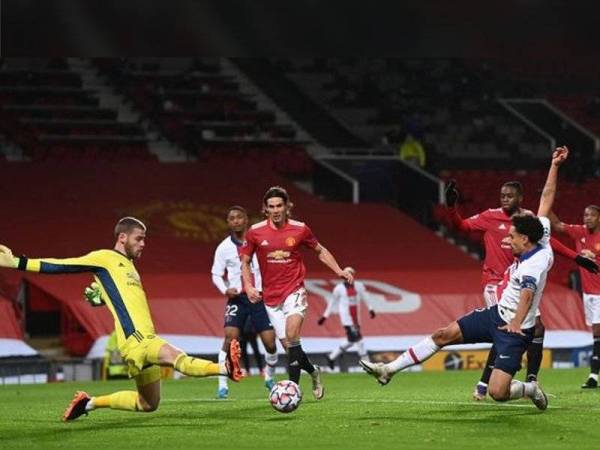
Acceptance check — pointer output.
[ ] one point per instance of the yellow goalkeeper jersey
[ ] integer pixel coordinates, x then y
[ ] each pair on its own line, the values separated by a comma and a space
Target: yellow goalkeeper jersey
120, 283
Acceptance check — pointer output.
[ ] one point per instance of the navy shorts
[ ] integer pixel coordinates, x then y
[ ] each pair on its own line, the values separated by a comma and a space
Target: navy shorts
481, 325
239, 309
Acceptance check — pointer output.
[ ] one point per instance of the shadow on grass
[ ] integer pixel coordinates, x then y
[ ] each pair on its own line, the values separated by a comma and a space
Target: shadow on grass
180, 419
475, 415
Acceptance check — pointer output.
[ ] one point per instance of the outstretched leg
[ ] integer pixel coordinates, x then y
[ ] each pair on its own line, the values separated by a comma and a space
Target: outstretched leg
416, 354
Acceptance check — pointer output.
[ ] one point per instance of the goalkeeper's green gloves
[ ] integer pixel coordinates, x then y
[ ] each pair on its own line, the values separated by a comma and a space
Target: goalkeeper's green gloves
7, 259
93, 295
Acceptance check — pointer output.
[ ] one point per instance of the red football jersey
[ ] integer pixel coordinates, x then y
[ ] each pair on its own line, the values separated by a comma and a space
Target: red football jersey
584, 240
495, 224
279, 258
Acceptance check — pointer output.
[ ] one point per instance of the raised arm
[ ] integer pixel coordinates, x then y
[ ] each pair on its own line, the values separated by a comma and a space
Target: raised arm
549, 192
556, 223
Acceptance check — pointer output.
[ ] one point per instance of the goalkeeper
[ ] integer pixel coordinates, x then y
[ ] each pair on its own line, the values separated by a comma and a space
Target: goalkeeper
119, 285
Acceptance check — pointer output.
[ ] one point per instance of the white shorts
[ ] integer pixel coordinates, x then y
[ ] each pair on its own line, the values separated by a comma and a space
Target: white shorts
295, 303
490, 297
591, 307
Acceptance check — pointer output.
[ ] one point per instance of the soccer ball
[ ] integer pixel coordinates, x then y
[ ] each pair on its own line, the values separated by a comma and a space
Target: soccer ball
285, 396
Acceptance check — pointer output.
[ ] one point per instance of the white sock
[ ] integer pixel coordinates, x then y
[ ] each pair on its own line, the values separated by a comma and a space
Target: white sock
271, 360
414, 355
222, 379
518, 389
90, 405
360, 347
341, 349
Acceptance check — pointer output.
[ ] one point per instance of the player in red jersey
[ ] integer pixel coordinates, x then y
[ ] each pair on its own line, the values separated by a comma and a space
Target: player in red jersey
587, 242
495, 223
277, 242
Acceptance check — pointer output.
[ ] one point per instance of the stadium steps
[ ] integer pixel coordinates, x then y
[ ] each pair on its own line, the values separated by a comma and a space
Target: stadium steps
164, 150
312, 117
264, 102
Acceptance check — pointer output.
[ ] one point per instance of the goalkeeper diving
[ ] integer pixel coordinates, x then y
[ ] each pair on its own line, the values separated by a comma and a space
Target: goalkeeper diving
118, 285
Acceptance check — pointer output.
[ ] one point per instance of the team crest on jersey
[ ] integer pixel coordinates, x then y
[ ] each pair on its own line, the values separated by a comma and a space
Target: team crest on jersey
290, 242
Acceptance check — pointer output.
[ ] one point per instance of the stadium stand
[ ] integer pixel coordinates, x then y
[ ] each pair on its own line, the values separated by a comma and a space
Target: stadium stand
201, 108
11, 334
49, 112
451, 105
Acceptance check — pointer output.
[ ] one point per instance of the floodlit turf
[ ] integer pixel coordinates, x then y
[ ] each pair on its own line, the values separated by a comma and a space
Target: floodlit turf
430, 410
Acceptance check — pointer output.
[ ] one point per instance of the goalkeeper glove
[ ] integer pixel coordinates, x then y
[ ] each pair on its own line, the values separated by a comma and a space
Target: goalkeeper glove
587, 264
7, 259
451, 193
321, 320
93, 295
371, 314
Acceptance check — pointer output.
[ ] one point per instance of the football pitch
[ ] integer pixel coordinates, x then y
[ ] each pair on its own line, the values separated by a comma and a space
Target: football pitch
417, 410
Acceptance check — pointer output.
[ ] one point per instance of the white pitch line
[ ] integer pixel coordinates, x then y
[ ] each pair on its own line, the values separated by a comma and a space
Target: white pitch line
361, 400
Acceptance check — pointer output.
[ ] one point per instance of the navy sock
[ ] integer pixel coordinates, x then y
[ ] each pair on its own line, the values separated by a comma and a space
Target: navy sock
294, 352
489, 366
305, 363
595, 362
535, 352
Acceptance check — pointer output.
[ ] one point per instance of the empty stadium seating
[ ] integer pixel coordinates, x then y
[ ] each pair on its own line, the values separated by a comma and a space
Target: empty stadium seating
198, 106
48, 112
452, 103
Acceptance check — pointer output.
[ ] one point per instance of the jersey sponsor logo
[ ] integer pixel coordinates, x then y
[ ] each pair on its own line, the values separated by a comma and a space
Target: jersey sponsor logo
134, 279
264, 243
290, 242
278, 256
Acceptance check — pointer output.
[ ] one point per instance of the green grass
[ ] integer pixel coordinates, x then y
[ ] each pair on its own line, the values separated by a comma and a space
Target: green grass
428, 410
